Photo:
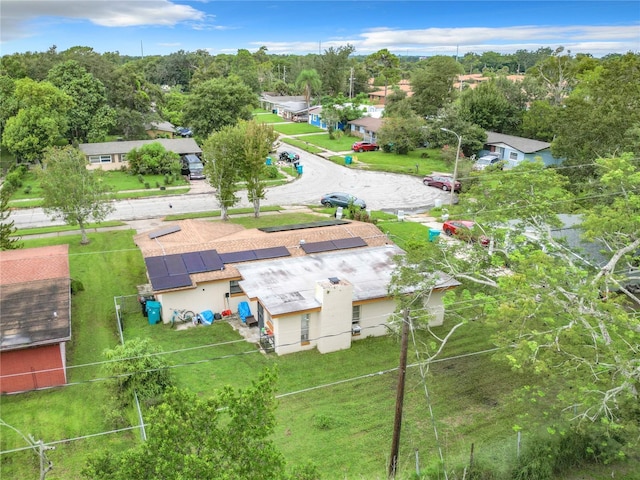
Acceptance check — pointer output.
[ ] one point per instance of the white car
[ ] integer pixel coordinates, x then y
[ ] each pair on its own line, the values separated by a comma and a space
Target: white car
485, 161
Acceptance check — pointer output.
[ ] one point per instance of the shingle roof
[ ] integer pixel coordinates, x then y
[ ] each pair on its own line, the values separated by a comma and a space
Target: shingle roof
198, 235
525, 145
370, 123
35, 297
178, 145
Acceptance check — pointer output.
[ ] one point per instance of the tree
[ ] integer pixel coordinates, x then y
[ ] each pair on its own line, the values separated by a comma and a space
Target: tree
7, 228
599, 117
432, 84
555, 74
385, 65
401, 134
223, 156
258, 142
72, 192
309, 82
227, 436
334, 69
153, 159
41, 119
545, 305
136, 367
495, 105
88, 94
539, 121
244, 66
216, 103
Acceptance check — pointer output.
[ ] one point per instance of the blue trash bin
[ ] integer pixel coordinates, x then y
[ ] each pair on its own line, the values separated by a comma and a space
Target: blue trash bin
268, 162
299, 167
153, 312
433, 234
348, 159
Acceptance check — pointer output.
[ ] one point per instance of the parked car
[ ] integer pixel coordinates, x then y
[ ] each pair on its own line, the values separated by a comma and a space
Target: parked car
364, 147
441, 181
289, 157
464, 230
184, 132
192, 167
486, 161
340, 199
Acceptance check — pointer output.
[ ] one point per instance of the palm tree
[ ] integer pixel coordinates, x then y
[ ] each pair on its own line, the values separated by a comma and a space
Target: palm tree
310, 82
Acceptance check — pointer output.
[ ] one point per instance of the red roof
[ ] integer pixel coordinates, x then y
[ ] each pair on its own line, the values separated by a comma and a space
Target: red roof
31, 264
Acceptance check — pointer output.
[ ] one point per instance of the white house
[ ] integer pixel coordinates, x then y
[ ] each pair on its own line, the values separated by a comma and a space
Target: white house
319, 285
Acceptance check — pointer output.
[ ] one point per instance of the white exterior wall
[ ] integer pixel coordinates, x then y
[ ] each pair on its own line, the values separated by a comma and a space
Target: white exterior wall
206, 296
335, 315
287, 332
436, 308
372, 315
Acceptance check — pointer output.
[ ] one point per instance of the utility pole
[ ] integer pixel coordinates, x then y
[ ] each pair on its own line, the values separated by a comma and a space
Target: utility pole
351, 83
395, 444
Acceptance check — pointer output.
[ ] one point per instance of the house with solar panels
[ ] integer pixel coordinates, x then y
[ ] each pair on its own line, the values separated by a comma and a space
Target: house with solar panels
315, 285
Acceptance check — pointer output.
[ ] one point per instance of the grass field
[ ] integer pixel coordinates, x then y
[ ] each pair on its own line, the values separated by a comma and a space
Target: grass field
296, 128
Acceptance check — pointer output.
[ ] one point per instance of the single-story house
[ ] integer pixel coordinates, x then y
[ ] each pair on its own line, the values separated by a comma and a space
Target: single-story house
379, 96
366, 128
515, 150
315, 115
290, 107
319, 285
35, 305
160, 129
113, 155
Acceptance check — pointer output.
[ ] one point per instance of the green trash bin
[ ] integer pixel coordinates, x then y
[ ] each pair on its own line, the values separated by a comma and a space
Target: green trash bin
153, 312
348, 159
433, 234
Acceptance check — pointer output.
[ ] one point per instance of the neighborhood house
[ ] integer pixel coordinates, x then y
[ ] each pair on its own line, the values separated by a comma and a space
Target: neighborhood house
319, 285
35, 305
515, 150
113, 155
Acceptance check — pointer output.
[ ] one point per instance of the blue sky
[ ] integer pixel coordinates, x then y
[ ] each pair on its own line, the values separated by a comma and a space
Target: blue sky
160, 27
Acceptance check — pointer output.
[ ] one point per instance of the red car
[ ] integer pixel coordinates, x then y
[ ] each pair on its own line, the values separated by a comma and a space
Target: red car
441, 181
364, 147
465, 231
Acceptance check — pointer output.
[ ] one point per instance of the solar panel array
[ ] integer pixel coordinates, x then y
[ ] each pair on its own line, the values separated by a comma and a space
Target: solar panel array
174, 271
164, 231
329, 245
300, 226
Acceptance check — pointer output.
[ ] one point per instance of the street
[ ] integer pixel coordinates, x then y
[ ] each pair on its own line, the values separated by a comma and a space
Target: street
382, 191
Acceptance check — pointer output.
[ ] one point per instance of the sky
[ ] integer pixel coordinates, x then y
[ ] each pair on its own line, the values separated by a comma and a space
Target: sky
423, 28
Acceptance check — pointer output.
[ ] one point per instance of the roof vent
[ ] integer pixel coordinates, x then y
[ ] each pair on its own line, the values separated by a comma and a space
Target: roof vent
334, 280
302, 242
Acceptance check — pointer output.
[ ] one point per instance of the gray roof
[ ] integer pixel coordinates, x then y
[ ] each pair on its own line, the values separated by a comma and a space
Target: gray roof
161, 126
274, 98
525, 145
288, 285
370, 123
178, 145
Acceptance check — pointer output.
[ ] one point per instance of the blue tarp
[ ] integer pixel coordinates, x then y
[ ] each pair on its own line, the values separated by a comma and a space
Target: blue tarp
206, 317
244, 311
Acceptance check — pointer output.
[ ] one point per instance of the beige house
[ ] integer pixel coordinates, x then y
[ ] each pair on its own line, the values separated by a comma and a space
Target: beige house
320, 285
113, 155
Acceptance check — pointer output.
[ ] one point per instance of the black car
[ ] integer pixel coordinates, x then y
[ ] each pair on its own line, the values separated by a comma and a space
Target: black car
192, 167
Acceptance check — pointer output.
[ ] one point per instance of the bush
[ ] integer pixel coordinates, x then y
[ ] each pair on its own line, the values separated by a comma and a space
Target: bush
28, 189
76, 286
146, 185
271, 172
13, 180
140, 178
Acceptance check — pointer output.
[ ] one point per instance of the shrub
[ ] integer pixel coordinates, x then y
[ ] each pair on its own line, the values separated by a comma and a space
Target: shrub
146, 185
140, 178
157, 184
28, 189
76, 286
271, 172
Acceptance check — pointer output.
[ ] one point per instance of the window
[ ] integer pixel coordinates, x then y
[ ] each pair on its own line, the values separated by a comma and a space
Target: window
100, 159
355, 320
513, 156
304, 329
234, 287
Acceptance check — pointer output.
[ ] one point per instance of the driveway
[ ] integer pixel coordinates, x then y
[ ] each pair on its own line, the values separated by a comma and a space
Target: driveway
382, 191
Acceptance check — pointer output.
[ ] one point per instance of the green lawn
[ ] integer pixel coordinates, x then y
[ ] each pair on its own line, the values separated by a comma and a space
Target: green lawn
268, 118
411, 164
335, 145
302, 144
296, 128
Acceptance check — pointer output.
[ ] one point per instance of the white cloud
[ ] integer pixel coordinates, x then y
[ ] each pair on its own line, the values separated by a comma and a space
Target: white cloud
16, 14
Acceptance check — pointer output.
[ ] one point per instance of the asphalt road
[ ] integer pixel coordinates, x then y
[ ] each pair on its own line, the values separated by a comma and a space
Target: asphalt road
382, 191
